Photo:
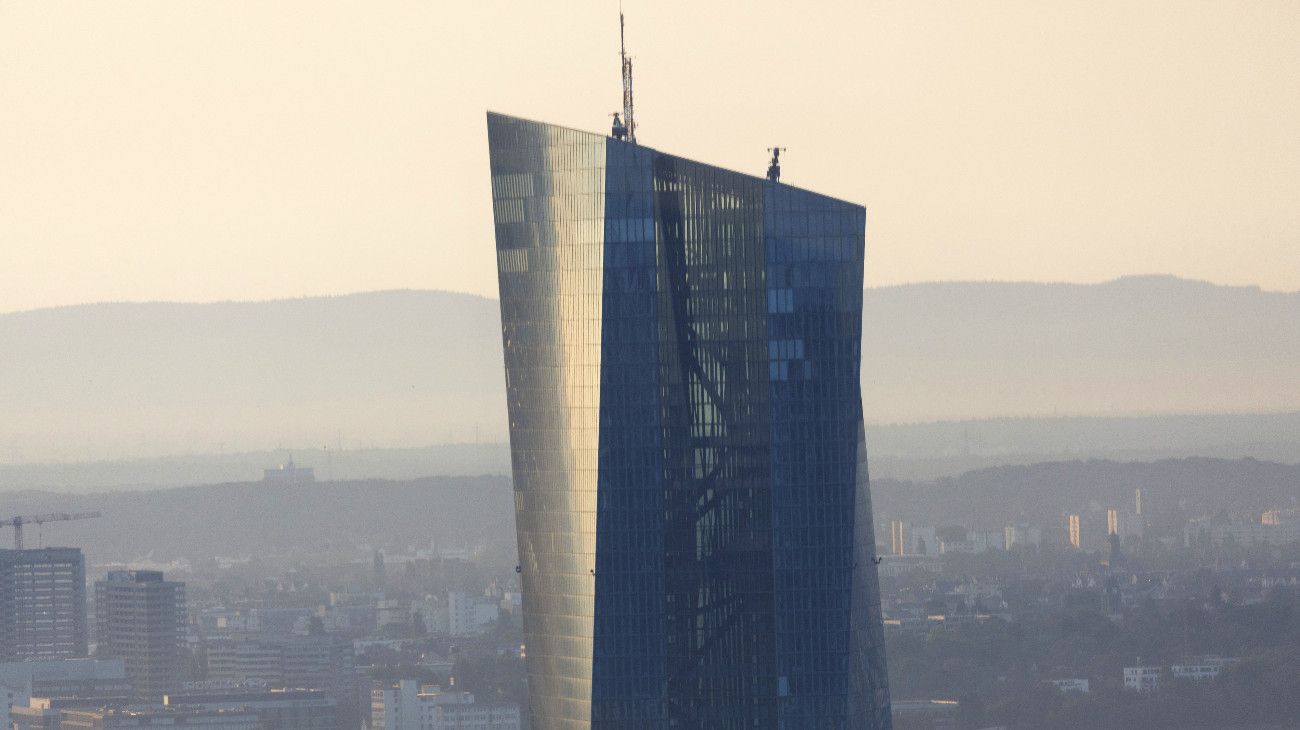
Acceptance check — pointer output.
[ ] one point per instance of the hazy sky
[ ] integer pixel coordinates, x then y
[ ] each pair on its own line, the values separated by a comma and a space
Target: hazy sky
249, 150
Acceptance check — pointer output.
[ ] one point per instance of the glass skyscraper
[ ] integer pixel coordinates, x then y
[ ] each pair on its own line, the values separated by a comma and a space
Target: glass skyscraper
682, 348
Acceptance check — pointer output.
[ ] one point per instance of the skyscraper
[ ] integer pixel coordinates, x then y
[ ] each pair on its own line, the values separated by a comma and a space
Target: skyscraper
42, 604
140, 618
682, 348
1075, 531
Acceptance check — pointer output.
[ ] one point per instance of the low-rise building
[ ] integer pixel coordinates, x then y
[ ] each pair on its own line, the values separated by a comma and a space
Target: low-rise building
278, 709
321, 661
1071, 685
1271, 529
1142, 678
408, 706
61, 678
1199, 668
106, 718
936, 713
113, 713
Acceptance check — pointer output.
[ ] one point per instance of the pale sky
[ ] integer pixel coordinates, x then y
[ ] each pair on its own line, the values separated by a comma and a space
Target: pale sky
212, 150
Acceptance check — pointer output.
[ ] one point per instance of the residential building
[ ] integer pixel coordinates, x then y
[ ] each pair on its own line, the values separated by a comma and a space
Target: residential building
682, 354
470, 615
42, 604
140, 618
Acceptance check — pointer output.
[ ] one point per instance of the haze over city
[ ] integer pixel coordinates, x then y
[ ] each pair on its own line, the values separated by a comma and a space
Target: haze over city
883, 366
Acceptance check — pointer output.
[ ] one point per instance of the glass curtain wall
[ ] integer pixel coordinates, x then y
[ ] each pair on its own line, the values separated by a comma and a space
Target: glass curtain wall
682, 349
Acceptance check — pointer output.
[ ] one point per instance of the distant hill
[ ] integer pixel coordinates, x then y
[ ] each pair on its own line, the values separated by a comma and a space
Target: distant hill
282, 522
1040, 493
921, 452
310, 522
413, 368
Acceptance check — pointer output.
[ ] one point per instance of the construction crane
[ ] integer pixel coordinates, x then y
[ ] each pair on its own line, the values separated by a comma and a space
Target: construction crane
18, 522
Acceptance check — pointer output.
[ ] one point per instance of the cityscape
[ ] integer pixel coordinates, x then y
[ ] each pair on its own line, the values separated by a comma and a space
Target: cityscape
615, 423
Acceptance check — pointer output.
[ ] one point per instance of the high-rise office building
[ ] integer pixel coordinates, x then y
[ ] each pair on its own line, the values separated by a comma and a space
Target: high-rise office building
140, 619
682, 348
42, 604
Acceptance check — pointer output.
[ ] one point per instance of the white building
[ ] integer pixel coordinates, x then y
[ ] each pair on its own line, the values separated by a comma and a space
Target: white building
470, 615
1198, 668
1071, 685
411, 707
1142, 679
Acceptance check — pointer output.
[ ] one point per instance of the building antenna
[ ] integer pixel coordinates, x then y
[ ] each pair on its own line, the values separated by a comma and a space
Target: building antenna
629, 120
774, 167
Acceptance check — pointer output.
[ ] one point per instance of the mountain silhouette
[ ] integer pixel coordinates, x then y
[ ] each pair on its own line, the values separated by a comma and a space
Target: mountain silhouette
413, 368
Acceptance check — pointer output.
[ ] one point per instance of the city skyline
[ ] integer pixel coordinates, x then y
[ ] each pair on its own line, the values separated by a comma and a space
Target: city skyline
305, 150
413, 387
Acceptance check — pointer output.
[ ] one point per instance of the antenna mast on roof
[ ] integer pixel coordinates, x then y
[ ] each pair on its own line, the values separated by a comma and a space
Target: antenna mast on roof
628, 119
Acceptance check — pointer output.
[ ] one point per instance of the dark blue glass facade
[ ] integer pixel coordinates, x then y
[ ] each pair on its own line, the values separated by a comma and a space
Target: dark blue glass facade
682, 350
